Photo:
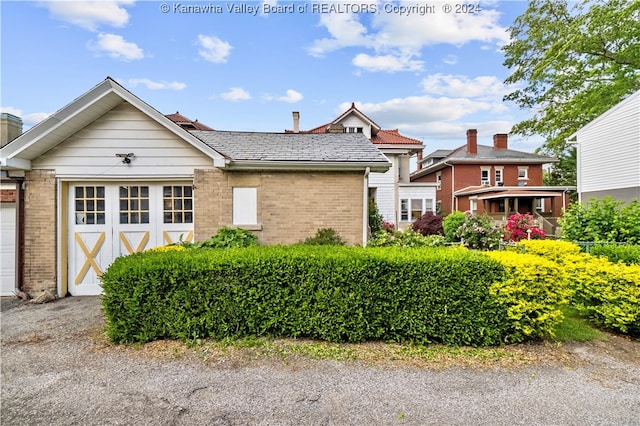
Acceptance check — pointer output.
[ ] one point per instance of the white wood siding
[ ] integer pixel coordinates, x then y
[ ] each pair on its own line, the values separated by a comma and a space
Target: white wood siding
91, 152
385, 184
609, 149
353, 121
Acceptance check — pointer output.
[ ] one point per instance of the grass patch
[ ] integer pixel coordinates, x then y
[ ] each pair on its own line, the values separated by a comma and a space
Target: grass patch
576, 328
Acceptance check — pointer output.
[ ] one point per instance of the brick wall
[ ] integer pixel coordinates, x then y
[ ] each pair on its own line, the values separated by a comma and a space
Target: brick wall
39, 232
291, 205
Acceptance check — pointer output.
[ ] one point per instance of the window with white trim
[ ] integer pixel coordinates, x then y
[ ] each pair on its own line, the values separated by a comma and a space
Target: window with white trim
245, 206
413, 208
498, 175
90, 205
134, 204
473, 205
523, 173
485, 180
439, 179
353, 129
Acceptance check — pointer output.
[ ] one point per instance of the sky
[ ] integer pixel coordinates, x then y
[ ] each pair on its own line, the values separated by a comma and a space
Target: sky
431, 69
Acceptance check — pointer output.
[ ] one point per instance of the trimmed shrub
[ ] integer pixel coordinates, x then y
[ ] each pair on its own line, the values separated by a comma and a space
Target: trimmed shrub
406, 238
450, 225
325, 237
428, 224
551, 249
533, 292
606, 292
340, 294
629, 255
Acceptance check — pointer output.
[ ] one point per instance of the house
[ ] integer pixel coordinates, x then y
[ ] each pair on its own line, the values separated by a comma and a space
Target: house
399, 200
108, 175
608, 153
494, 180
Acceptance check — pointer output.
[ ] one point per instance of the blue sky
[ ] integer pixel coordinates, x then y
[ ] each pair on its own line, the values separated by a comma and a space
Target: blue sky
432, 75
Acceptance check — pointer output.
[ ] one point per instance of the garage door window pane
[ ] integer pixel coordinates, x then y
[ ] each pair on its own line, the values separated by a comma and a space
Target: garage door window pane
134, 204
89, 205
177, 203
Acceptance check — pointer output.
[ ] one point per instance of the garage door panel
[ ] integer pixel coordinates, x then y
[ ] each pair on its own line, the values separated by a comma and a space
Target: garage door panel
7, 248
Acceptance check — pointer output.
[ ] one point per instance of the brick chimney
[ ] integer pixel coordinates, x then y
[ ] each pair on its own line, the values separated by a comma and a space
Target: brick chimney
500, 141
472, 141
10, 128
296, 122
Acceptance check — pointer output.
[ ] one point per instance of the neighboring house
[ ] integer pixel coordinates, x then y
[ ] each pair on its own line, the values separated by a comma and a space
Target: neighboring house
609, 153
494, 180
399, 200
10, 128
108, 175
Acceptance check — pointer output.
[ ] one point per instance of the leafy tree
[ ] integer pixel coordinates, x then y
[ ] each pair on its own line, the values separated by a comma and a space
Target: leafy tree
375, 218
571, 61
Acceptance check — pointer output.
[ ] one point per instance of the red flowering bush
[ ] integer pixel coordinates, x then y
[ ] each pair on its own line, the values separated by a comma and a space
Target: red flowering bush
520, 226
388, 226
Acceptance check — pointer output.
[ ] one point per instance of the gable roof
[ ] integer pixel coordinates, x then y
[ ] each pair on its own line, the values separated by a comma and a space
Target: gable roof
78, 114
379, 136
305, 151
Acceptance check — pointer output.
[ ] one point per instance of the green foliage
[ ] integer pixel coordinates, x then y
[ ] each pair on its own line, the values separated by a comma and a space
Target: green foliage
626, 254
428, 224
406, 238
339, 294
450, 225
325, 237
479, 232
571, 62
375, 218
608, 293
533, 291
575, 328
230, 238
602, 220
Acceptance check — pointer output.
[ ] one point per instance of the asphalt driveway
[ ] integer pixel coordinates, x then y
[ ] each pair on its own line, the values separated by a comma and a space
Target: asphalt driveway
56, 372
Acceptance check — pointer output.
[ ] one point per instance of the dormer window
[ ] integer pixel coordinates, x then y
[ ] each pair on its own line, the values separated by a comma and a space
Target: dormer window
353, 129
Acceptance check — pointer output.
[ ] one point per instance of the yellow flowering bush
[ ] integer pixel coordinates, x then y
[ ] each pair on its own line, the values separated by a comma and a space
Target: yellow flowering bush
533, 292
173, 247
550, 249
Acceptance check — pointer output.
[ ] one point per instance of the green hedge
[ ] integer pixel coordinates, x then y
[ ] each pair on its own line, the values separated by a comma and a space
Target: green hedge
627, 254
340, 294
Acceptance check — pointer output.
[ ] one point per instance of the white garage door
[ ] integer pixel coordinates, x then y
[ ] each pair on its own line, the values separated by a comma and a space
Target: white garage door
111, 220
7, 248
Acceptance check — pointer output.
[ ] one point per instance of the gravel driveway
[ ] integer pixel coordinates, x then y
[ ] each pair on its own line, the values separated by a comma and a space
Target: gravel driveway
56, 372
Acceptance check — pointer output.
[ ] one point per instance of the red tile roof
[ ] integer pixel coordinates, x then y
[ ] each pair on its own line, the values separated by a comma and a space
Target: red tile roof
187, 123
393, 137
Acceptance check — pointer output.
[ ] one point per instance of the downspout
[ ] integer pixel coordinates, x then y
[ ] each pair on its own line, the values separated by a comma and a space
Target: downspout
453, 181
365, 207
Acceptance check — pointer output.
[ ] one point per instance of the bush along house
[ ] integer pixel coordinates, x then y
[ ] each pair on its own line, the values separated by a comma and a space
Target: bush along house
108, 175
399, 200
493, 180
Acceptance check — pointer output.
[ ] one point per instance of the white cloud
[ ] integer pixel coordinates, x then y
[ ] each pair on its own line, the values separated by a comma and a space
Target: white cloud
463, 86
213, 49
156, 85
389, 33
387, 63
117, 47
236, 94
91, 14
28, 120
291, 97
345, 29
450, 59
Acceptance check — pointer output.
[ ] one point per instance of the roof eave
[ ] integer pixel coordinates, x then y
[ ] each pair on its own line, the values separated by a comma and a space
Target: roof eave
308, 165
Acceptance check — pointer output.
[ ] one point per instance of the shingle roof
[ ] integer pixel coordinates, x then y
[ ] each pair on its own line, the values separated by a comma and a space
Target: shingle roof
328, 148
488, 153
